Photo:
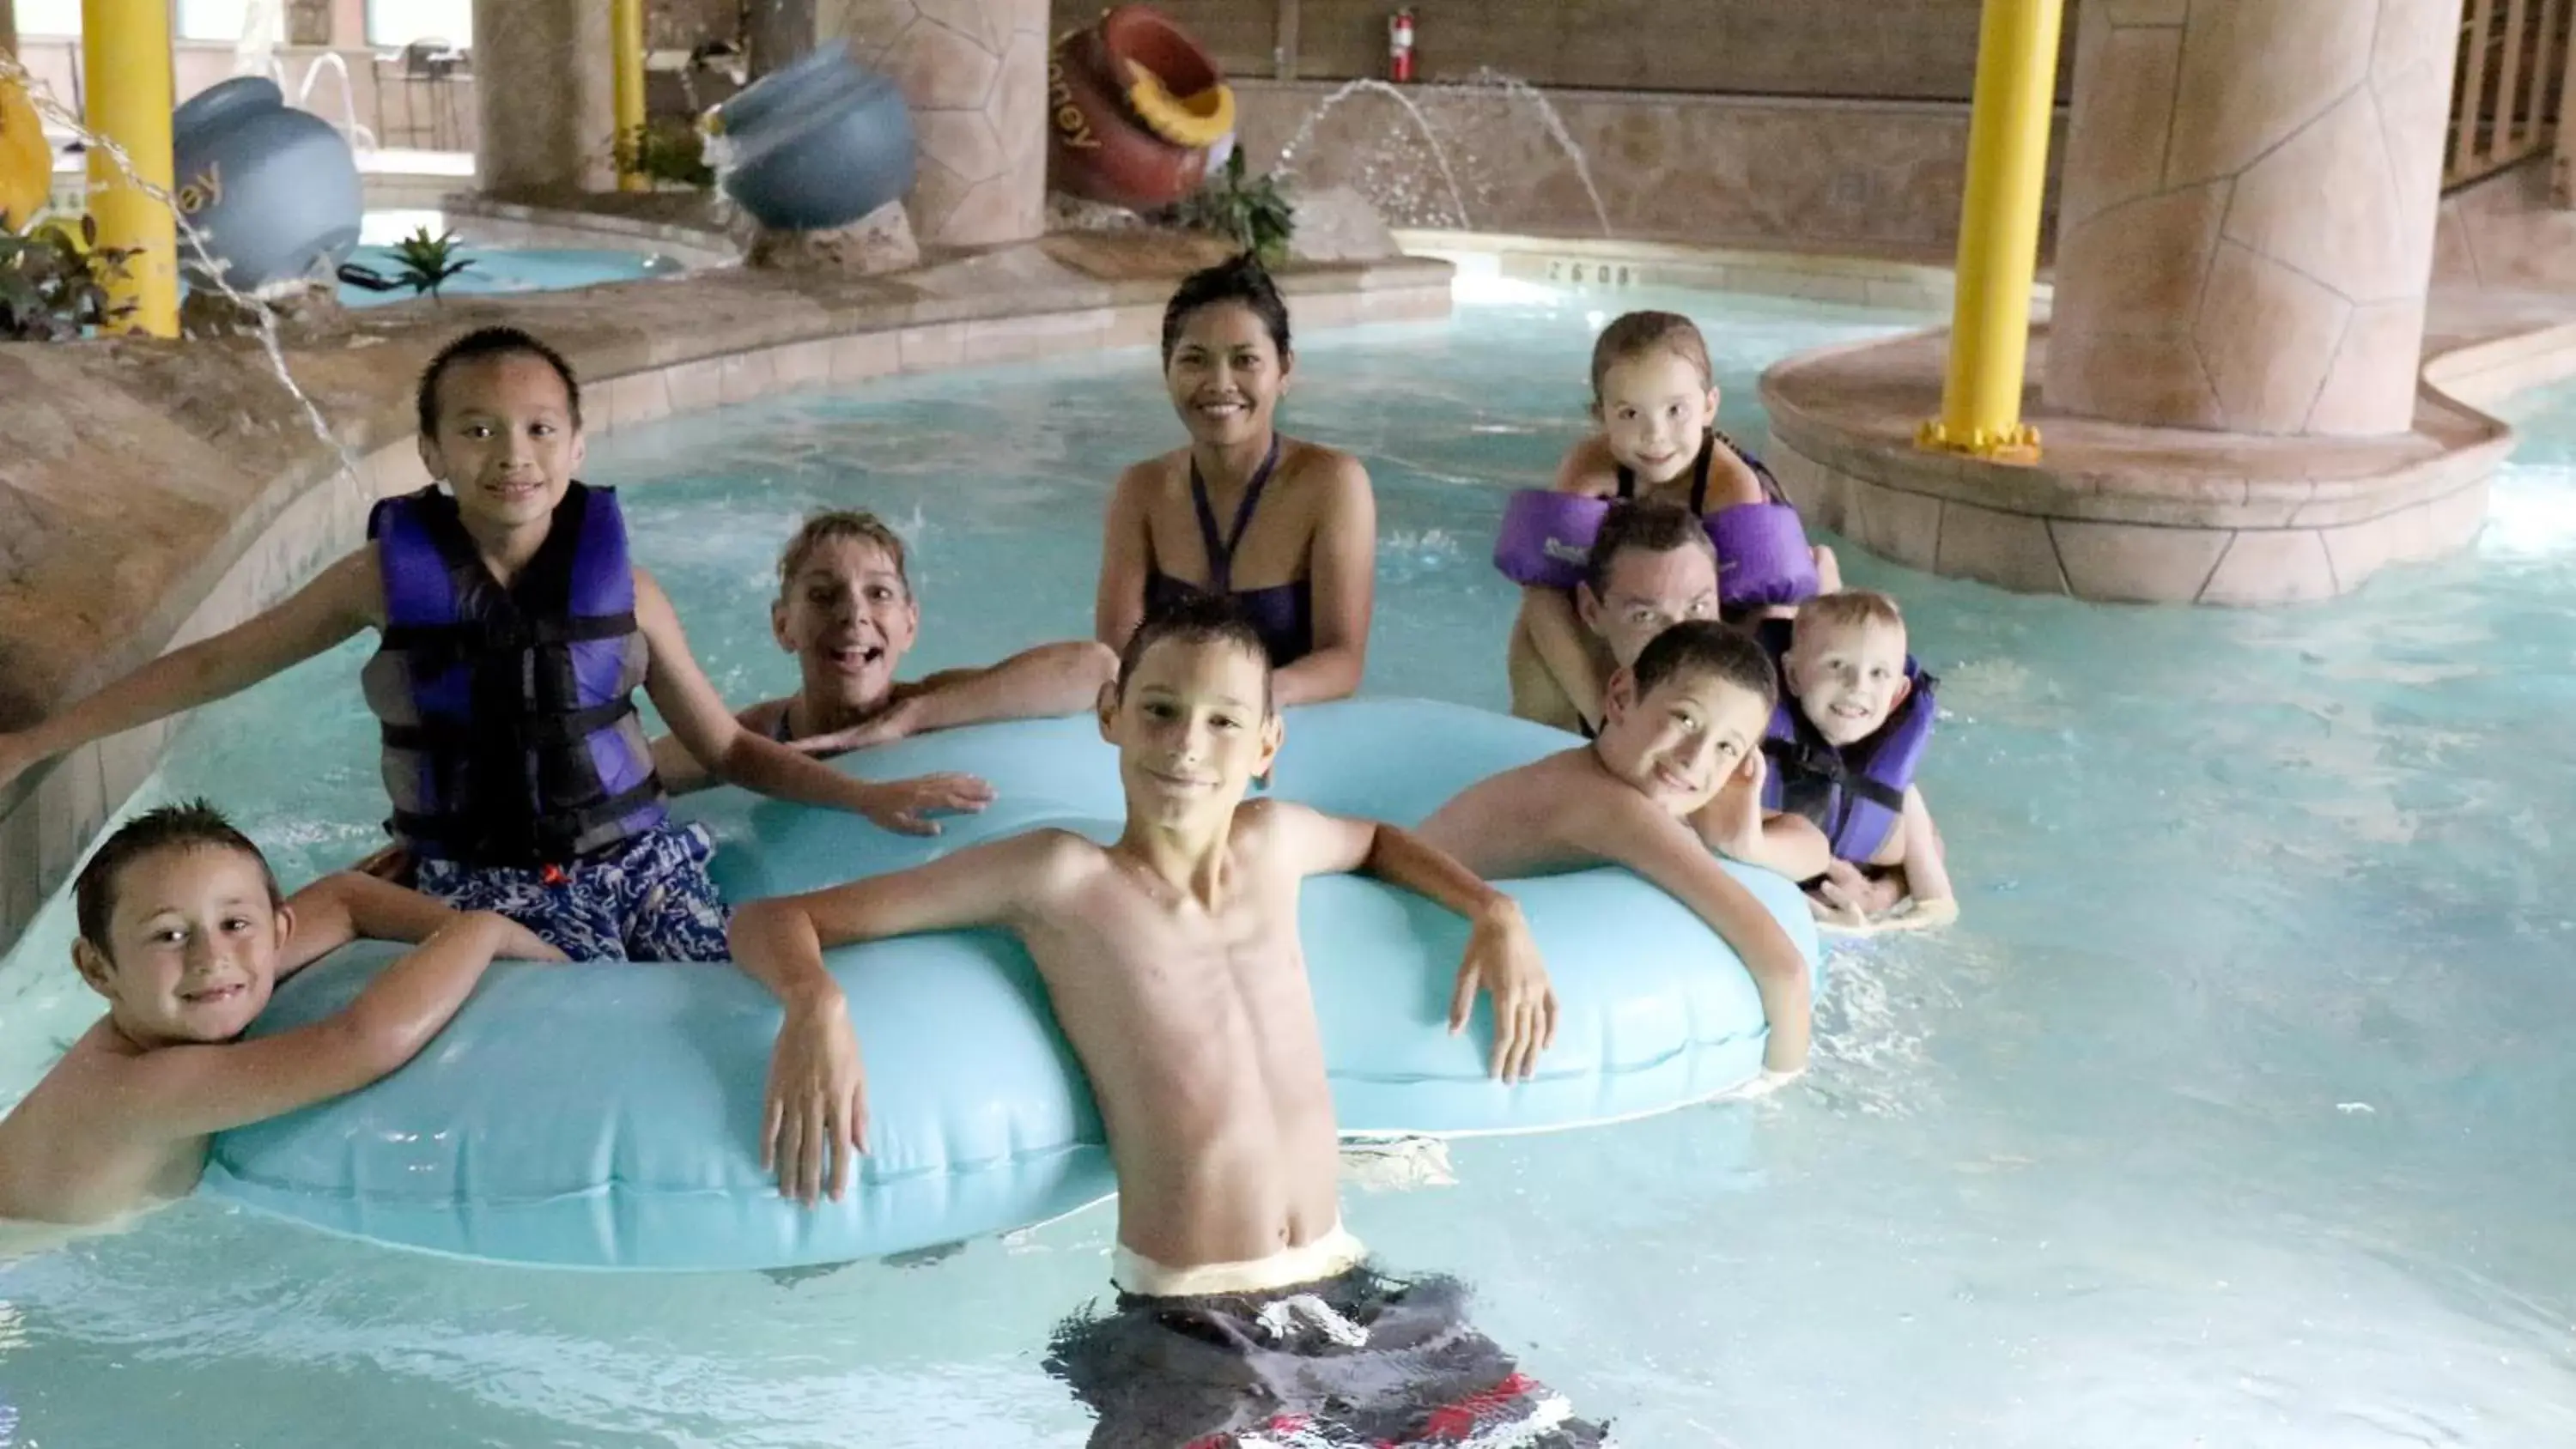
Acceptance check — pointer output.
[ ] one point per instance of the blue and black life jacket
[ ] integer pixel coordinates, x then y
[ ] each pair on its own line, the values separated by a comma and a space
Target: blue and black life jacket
1854, 793
510, 734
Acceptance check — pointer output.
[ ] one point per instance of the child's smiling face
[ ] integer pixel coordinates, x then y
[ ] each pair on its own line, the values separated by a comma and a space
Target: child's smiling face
848, 615
1655, 409
506, 443
192, 947
1848, 677
1193, 727
1680, 742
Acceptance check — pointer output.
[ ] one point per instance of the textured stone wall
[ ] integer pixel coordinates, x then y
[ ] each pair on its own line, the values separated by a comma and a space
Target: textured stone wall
975, 73
2247, 229
1868, 177
1862, 49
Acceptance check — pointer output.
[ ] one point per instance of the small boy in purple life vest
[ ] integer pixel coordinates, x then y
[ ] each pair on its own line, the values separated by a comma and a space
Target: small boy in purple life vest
514, 633
1854, 719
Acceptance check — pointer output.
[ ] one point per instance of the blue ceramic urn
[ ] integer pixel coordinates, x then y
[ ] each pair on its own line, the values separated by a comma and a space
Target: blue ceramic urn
275, 190
816, 144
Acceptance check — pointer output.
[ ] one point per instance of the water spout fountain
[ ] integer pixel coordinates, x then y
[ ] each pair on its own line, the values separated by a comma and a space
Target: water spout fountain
1482, 86
264, 317
361, 139
1367, 85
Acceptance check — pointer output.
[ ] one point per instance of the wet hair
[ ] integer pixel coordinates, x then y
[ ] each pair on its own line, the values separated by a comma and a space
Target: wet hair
1241, 280
1632, 335
1704, 646
1197, 619
1851, 608
1651, 527
485, 342
830, 527
192, 825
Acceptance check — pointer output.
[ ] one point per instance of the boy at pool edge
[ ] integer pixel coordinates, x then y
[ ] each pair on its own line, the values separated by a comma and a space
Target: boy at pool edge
1680, 726
514, 634
181, 929
1172, 961
846, 610
1654, 396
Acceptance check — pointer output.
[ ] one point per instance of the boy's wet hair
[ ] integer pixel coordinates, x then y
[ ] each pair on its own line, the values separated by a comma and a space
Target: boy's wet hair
485, 342
1241, 279
191, 825
1634, 334
1704, 646
1197, 619
1850, 608
1650, 527
833, 526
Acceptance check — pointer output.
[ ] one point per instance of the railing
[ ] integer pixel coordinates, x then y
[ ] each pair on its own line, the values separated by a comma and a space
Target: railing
2506, 89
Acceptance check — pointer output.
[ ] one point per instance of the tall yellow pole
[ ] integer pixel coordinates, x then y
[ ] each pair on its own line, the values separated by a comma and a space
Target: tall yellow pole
626, 47
1999, 234
127, 78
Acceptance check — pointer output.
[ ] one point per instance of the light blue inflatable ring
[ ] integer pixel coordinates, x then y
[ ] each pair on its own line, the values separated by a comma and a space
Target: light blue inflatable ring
604, 1115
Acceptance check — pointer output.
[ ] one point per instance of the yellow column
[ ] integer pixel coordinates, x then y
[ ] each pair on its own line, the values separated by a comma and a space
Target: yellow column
1999, 234
126, 44
626, 70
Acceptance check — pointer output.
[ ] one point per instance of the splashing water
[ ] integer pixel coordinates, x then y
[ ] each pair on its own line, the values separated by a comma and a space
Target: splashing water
1479, 84
1488, 78
1439, 153
210, 267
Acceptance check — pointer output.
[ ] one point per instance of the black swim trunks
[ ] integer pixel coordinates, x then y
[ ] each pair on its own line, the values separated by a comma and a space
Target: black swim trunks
1353, 1360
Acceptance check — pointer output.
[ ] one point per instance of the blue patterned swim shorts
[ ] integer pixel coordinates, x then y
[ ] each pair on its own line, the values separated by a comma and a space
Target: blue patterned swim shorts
647, 900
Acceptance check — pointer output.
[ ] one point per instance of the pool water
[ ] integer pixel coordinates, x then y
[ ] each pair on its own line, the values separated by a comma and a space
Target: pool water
494, 269
2236, 1111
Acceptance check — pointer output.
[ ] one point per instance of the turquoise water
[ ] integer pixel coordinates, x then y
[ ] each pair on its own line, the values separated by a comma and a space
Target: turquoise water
510, 269
2237, 1111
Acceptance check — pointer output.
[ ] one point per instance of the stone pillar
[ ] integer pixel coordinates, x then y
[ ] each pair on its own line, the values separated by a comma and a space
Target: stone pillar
2245, 233
542, 96
975, 73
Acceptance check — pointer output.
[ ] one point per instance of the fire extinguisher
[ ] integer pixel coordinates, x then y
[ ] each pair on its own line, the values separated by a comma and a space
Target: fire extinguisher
1399, 45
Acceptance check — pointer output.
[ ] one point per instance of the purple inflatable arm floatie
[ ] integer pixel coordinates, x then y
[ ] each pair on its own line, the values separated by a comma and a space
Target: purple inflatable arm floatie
1547, 537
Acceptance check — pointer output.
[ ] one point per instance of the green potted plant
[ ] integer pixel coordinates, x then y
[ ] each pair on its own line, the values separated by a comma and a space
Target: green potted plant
428, 261
54, 278
671, 154
1255, 213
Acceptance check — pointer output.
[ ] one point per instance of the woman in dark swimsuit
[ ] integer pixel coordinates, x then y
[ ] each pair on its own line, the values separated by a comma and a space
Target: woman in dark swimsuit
1287, 529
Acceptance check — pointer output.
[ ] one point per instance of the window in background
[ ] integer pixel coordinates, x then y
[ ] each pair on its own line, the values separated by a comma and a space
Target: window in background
211, 20
400, 22
48, 17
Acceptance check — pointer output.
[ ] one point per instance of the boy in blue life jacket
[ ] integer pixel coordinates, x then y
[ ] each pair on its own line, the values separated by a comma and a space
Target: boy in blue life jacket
515, 632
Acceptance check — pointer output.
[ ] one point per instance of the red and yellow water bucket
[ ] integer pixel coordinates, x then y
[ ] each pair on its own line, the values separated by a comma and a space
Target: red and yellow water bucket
1134, 105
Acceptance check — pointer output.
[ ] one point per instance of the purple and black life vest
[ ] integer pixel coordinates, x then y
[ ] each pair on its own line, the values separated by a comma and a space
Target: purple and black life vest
1762, 554
1854, 793
508, 714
